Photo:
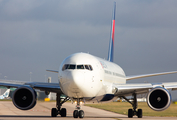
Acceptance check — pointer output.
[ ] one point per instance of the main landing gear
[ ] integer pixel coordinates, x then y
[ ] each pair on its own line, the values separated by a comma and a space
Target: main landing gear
133, 112
56, 111
78, 113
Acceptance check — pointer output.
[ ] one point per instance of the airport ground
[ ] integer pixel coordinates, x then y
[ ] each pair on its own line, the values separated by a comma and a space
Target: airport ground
42, 111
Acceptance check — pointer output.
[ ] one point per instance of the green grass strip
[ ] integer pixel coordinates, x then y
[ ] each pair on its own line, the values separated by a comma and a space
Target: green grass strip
122, 108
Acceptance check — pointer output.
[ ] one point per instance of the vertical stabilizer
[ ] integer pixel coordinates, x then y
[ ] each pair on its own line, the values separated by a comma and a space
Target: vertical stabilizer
5, 95
111, 42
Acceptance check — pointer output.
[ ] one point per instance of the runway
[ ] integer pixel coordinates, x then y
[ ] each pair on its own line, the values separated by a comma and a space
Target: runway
42, 111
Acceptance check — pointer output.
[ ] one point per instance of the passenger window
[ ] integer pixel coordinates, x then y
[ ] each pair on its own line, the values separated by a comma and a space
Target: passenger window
72, 67
87, 67
80, 67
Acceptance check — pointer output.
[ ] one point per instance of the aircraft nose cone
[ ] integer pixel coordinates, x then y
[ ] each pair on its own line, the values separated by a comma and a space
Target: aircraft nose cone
72, 83
76, 78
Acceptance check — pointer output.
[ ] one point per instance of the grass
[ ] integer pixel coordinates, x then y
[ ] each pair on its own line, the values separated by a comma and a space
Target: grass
5, 99
122, 108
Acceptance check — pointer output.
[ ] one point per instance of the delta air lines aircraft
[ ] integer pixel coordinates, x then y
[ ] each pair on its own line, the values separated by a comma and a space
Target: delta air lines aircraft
84, 77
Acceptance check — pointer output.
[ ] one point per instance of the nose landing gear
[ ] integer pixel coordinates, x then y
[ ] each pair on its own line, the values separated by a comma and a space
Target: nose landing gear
78, 113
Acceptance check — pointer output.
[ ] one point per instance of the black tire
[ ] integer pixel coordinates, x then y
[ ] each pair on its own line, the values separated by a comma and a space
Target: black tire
63, 112
140, 113
54, 112
130, 113
81, 114
75, 114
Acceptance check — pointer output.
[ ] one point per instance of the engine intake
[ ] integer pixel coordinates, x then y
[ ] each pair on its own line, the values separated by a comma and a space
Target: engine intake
159, 99
24, 98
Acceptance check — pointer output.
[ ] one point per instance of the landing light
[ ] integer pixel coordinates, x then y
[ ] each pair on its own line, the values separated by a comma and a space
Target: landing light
76, 102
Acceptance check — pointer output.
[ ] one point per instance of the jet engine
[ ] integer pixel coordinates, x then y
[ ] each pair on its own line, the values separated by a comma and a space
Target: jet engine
159, 99
24, 98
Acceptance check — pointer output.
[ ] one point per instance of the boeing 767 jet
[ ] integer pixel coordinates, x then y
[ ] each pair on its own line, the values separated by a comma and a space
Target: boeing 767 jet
84, 77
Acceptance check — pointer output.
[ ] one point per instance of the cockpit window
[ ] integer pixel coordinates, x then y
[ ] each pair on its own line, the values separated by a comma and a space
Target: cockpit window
79, 67
72, 67
87, 67
65, 67
90, 67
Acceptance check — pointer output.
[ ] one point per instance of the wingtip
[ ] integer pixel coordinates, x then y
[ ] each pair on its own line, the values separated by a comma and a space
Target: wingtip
55, 71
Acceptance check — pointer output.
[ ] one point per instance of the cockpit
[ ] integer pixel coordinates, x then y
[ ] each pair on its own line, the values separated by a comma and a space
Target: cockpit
78, 67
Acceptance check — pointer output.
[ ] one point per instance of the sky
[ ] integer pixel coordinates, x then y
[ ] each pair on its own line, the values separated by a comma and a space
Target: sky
36, 35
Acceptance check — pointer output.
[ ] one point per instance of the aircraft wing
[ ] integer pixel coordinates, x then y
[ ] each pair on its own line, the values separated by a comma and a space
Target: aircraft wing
129, 89
148, 75
55, 71
49, 87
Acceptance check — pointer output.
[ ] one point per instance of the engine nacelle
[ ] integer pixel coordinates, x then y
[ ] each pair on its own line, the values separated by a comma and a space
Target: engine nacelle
159, 99
24, 98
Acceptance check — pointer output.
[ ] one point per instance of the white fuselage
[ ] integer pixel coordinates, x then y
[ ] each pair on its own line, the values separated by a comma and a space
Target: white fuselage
82, 75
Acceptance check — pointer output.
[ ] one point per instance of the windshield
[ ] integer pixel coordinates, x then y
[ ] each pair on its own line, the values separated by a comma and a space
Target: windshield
73, 66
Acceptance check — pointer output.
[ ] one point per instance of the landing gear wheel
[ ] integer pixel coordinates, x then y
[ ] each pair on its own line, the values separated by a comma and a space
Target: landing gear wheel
63, 112
81, 114
139, 113
54, 112
130, 113
75, 113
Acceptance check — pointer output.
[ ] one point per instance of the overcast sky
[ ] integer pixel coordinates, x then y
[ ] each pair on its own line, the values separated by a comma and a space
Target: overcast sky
36, 35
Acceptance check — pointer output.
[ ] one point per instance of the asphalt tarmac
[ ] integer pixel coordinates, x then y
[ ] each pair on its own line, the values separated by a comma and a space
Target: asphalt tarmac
42, 111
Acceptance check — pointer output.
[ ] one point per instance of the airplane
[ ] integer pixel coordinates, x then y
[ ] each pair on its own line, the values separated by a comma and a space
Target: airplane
5, 95
84, 77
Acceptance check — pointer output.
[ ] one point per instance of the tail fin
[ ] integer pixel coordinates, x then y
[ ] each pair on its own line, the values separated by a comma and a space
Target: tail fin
6, 94
111, 42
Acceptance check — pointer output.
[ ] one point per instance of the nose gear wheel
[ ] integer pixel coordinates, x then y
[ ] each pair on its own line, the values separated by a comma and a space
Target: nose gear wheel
78, 113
